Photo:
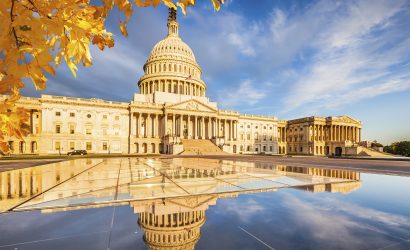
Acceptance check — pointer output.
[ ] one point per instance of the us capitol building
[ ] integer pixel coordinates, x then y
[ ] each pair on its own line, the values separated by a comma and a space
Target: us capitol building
171, 114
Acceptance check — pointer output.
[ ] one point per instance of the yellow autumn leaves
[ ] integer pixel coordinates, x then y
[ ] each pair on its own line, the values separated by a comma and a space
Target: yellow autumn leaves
37, 35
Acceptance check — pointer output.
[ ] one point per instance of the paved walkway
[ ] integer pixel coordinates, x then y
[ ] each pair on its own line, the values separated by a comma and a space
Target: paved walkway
6, 165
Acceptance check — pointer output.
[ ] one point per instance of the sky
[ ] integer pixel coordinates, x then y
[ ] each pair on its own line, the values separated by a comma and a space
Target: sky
285, 58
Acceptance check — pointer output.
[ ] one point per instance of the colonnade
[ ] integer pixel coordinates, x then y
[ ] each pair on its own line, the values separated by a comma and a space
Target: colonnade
336, 133
148, 125
145, 125
333, 173
345, 133
174, 86
171, 220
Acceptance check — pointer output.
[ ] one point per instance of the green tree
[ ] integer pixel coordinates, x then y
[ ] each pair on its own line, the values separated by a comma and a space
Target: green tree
403, 148
376, 144
399, 148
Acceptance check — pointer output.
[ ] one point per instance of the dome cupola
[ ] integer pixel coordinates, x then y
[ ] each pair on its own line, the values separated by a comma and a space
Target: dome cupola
171, 66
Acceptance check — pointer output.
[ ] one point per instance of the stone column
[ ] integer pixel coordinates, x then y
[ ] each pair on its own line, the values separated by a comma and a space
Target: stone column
360, 134
149, 126
189, 126
139, 125
196, 128
181, 125
156, 126
217, 127
235, 130
338, 132
355, 134
165, 123
173, 125
202, 127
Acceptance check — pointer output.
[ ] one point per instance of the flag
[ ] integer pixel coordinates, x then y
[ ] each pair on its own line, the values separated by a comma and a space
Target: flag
188, 78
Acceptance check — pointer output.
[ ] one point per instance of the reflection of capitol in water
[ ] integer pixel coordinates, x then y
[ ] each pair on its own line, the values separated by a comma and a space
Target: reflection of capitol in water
95, 181
170, 196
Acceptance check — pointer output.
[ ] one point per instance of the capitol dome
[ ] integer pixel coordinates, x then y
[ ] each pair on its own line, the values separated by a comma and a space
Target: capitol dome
171, 66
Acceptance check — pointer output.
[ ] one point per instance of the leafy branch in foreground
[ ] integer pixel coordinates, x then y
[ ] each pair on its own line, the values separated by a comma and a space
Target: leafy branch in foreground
35, 37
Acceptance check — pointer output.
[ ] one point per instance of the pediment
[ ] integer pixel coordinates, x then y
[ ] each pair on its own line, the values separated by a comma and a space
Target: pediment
192, 105
347, 119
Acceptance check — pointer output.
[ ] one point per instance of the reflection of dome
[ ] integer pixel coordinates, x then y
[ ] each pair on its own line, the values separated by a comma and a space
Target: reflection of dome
172, 231
171, 66
175, 223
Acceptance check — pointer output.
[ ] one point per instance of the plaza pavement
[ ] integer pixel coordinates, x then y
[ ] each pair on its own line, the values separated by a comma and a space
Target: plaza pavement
391, 167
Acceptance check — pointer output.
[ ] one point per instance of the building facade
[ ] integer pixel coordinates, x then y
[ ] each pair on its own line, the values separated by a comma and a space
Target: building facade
170, 112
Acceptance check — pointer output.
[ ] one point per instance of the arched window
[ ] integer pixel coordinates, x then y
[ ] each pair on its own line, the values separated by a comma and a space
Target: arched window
175, 68
180, 69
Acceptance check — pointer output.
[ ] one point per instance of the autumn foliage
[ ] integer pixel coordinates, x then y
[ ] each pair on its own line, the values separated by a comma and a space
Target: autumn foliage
37, 35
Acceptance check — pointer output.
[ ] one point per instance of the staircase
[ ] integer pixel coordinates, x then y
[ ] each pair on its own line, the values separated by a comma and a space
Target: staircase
200, 147
363, 151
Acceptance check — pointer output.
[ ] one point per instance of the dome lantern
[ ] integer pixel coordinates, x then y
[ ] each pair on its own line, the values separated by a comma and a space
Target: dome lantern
172, 22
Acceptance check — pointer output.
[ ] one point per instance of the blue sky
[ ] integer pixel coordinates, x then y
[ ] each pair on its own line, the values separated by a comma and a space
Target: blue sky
284, 58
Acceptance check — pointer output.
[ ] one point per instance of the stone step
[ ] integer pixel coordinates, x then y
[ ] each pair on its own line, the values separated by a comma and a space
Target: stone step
200, 147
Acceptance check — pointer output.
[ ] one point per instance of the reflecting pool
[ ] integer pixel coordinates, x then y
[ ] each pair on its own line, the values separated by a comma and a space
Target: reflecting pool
141, 203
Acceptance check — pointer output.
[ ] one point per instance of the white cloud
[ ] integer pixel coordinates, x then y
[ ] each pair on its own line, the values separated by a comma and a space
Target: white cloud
353, 53
244, 215
245, 93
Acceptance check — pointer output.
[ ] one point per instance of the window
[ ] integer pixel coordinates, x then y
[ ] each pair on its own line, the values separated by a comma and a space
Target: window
72, 145
105, 146
301, 149
88, 131
72, 114
72, 129
58, 129
57, 145
104, 130
264, 127
88, 115
301, 129
117, 118
88, 145
104, 116
249, 126
264, 148
58, 113
271, 148
248, 136
256, 126
248, 148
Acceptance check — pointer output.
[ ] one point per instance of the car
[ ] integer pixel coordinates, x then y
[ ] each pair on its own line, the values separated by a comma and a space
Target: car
77, 152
